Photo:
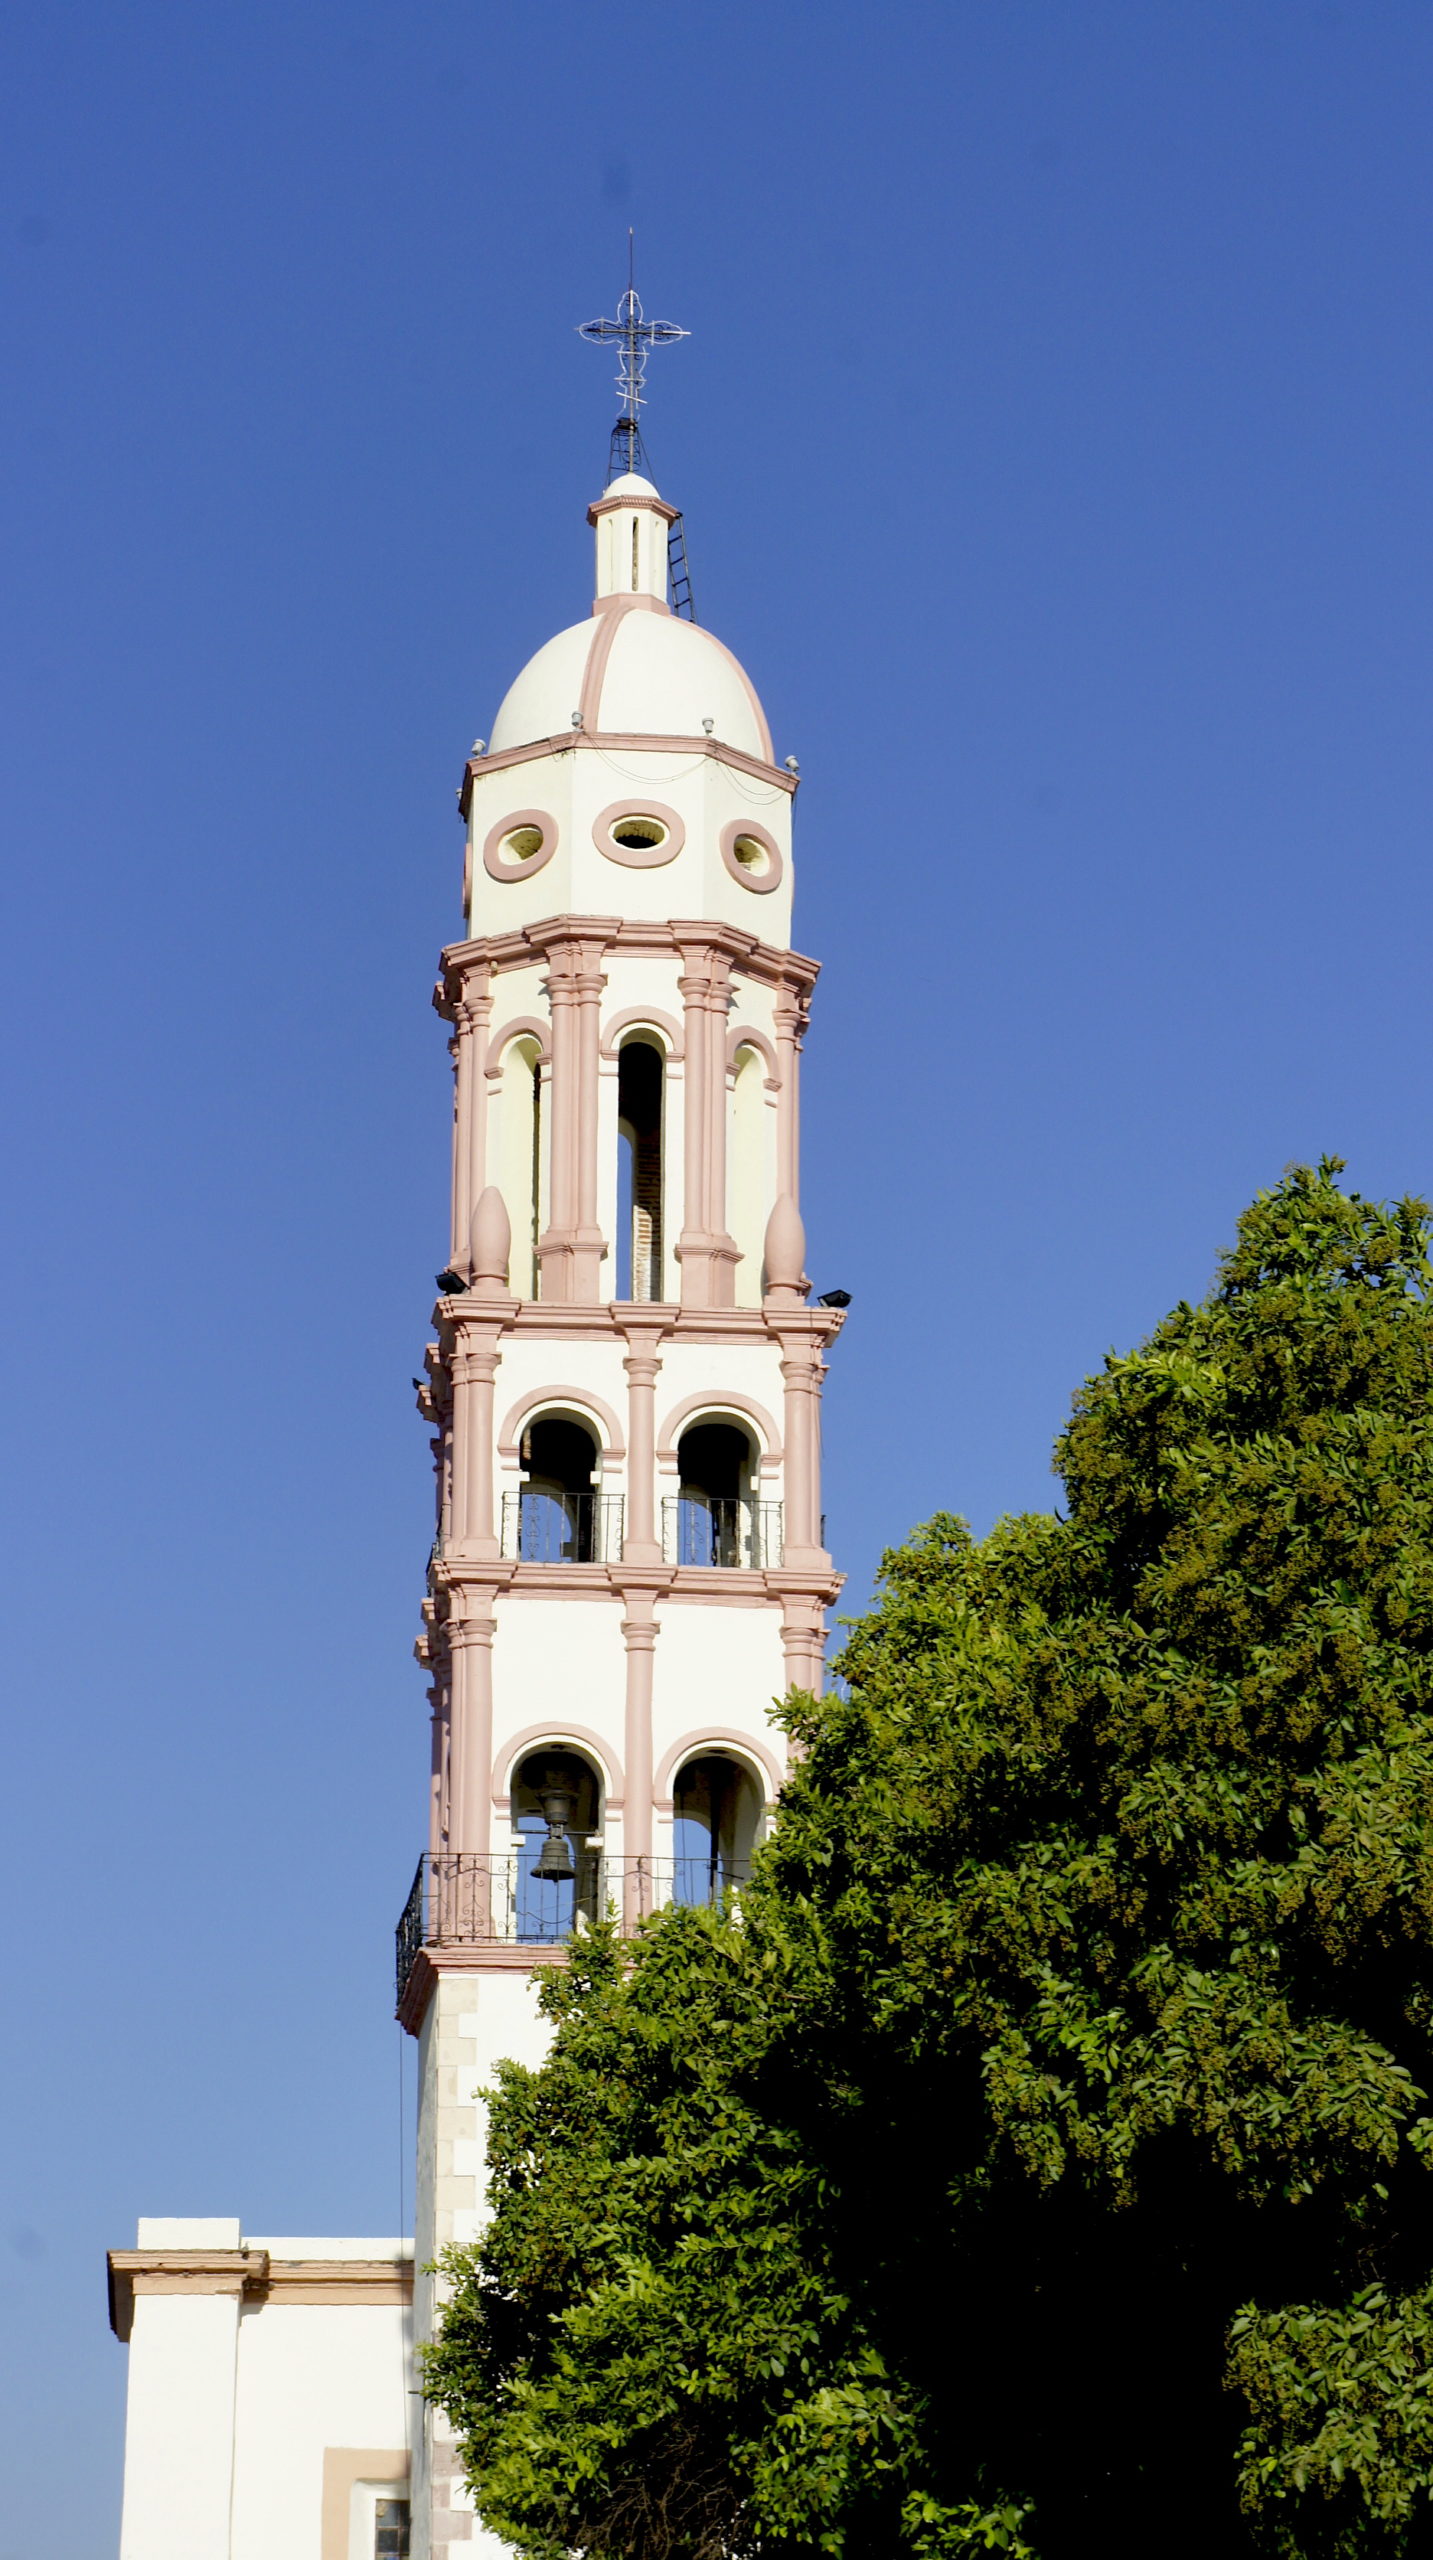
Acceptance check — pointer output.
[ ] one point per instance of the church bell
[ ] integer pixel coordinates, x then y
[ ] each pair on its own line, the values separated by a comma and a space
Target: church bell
558, 1799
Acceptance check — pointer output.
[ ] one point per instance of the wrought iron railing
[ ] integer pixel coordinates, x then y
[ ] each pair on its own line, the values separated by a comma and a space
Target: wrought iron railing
562, 1528
702, 1532
466, 1898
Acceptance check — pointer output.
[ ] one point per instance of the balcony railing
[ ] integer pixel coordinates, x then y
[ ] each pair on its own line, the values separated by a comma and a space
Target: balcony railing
702, 1532
464, 1898
562, 1528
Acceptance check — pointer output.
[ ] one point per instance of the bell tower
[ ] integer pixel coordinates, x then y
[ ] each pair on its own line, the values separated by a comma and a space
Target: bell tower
624, 1384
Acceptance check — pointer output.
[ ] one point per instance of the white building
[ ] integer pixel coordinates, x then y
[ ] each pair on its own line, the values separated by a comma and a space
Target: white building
629, 1563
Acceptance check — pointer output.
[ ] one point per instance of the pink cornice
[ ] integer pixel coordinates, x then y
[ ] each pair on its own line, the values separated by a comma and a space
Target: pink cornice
635, 499
526, 1027
431, 1962
710, 1737
539, 1737
760, 883
627, 741
582, 1400
647, 857
648, 1016
744, 1037
717, 1401
493, 862
764, 962
631, 604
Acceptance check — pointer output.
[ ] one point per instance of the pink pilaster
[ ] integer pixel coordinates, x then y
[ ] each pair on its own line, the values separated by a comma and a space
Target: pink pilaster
705, 1251
642, 1364
639, 1631
473, 1017
571, 1250
474, 1368
470, 1639
787, 1011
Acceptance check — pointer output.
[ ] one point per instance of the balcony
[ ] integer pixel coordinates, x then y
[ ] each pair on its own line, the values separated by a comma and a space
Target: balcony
541, 1526
465, 1898
703, 1531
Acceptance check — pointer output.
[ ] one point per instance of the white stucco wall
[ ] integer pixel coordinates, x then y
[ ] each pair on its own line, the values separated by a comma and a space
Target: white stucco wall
233, 2404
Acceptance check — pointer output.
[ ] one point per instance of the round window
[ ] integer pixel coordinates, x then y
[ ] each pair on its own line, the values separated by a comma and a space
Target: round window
521, 843
641, 838
752, 856
638, 834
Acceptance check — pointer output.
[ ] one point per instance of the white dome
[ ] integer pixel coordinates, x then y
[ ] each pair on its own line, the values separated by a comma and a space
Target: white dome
636, 673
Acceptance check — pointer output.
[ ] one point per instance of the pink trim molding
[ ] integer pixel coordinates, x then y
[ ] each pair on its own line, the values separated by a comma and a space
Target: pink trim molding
760, 883
604, 632
745, 1038
649, 1018
635, 498
707, 1737
493, 862
583, 1401
624, 739
649, 857
534, 1737
752, 696
525, 1027
629, 604
716, 1401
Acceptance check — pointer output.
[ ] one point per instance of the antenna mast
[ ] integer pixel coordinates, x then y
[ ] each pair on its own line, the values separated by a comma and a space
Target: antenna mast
636, 337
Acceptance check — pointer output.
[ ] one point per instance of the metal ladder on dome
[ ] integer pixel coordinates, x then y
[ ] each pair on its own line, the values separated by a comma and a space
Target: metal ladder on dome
678, 574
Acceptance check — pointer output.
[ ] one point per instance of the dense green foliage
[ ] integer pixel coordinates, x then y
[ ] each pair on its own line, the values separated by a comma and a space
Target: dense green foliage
1039, 2159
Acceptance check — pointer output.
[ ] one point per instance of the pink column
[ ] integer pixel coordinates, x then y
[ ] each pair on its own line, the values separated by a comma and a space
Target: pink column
723, 1252
803, 1638
471, 1642
473, 1016
589, 1244
641, 1544
787, 1011
555, 1248
437, 1775
474, 1369
692, 1248
639, 1629
800, 1371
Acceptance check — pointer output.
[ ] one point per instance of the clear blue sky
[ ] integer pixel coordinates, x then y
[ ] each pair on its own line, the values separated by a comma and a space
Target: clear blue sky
1054, 440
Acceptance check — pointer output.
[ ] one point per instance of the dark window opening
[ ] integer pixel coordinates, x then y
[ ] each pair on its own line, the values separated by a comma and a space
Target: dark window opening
639, 1171
557, 1501
548, 1904
716, 1808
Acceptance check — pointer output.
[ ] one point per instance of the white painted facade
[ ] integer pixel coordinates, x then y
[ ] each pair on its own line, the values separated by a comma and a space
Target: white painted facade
629, 1567
269, 2408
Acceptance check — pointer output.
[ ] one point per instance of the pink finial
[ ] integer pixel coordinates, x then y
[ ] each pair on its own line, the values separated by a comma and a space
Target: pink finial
491, 1242
786, 1253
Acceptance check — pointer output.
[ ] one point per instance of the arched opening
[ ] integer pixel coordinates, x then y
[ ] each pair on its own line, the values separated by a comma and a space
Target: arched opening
521, 1153
747, 1178
715, 1518
717, 1809
557, 1816
557, 1504
639, 1170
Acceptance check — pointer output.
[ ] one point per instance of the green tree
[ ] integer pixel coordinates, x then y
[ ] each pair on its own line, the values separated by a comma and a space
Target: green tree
1041, 2153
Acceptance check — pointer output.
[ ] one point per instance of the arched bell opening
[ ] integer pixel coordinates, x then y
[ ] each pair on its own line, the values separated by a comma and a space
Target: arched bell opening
640, 1077
717, 1813
558, 1506
715, 1513
557, 1816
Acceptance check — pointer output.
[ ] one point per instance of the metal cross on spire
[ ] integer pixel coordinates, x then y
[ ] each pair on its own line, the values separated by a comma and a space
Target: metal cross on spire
636, 337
